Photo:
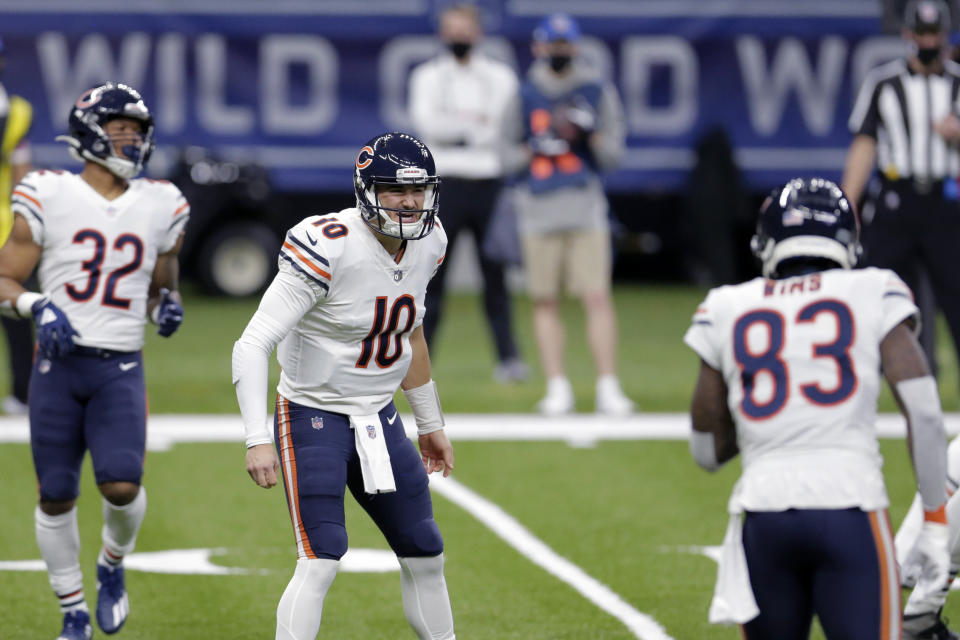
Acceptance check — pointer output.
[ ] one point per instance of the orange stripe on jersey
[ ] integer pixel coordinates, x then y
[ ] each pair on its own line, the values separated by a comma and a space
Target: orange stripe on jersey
30, 198
289, 462
442, 258
185, 205
890, 615
305, 259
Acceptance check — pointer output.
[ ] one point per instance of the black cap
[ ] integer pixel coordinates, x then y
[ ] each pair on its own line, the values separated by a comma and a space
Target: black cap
927, 16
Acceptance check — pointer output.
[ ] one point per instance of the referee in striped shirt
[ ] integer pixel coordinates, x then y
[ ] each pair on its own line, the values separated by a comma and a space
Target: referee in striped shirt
905, 122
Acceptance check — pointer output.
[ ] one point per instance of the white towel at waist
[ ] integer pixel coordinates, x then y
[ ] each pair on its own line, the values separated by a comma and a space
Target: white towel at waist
733, 601
374, 457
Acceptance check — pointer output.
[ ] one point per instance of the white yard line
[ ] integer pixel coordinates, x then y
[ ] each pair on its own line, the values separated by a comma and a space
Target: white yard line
517, 536
582, 429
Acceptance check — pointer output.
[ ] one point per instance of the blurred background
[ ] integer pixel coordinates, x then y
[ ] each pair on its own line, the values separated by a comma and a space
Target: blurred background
261, 107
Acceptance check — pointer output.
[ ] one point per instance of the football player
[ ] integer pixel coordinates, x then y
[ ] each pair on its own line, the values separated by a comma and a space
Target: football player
107, 245
789, 376
346, 310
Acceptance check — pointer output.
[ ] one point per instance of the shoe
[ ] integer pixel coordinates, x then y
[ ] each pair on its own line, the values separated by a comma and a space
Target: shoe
559, 398
512, 370
611, 400
112, 604
927, 626
13, 407
76, 626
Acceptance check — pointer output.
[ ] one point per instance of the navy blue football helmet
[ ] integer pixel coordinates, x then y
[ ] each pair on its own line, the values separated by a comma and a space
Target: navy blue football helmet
806, 220
396, 158
89, 141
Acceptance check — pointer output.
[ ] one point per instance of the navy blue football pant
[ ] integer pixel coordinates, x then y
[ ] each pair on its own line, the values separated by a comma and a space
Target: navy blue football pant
839, 564
92, 400
319, 460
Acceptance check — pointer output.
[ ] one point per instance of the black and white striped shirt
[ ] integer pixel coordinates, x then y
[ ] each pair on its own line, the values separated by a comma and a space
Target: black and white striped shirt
899, 109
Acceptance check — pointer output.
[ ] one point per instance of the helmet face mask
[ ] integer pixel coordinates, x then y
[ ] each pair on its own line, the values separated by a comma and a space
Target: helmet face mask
394, 159
88, 137
806, 221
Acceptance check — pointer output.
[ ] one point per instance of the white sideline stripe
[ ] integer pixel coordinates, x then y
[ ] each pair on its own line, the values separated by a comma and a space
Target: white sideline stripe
165, 430
518, 537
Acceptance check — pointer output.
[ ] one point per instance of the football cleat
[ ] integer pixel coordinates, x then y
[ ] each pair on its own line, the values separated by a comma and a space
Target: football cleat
112, 603
927, 626
611, 400
559, 398
76, 626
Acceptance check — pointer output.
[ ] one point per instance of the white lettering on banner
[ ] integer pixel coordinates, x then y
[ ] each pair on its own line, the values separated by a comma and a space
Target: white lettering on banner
278, 53
790, 71
212, 111
638, 56
93, 64
171, 83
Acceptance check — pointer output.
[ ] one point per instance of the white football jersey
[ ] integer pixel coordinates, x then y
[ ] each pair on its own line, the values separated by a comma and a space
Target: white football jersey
350, 351
801, 360
98, 254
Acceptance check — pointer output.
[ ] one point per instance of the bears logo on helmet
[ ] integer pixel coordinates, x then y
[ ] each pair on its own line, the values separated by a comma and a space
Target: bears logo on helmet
390, 159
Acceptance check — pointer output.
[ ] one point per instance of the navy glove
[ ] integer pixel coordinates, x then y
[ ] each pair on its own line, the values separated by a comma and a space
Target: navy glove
168, 315
54, 331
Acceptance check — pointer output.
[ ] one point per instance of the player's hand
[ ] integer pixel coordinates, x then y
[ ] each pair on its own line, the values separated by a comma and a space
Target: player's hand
169, 314
54, 331
263, 465
436, 452
932, 547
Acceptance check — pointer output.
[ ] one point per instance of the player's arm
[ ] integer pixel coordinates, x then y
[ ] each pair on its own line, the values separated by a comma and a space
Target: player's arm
906, 370
164, 304
421, 393
905, 367
283, 304
714, 438
18, 257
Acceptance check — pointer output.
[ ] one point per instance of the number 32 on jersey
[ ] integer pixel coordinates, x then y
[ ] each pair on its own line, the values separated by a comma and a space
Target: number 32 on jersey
769, 362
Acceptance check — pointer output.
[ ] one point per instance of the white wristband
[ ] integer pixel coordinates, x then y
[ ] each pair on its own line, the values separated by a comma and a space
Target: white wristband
425, 404
25, 301
155, 314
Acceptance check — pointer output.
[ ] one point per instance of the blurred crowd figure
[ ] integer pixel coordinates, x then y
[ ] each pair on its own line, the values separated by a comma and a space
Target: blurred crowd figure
563, 129
16, 116
910, 210
457, 102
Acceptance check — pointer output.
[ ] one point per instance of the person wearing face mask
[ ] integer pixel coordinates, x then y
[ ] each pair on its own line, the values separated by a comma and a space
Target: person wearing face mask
456, 105
566, 127
903, 162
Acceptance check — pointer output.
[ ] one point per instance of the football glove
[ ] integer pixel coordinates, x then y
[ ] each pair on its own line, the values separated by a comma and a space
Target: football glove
932, 547
168, 314
54, 331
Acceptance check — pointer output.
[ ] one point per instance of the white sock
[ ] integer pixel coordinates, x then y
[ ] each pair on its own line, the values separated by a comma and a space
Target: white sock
120, 527
425, 599
301, 606
59, 540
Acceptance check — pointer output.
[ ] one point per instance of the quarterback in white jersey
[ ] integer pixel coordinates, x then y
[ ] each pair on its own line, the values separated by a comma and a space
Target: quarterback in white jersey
107, 247
345, 314
789, 378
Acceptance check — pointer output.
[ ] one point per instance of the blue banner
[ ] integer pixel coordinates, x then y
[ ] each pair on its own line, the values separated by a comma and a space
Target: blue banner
298, 85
